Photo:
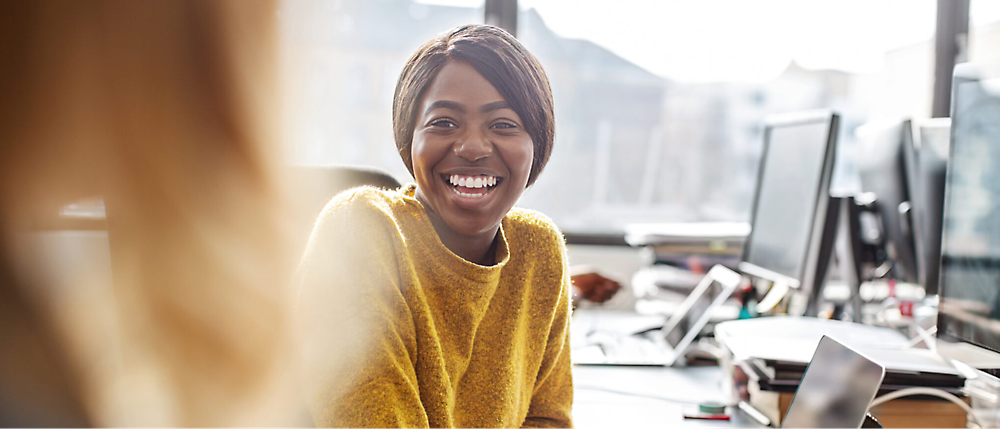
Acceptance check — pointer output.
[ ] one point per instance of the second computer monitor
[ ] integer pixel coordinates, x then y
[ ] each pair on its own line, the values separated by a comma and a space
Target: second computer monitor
969, 282
789, 213
932, 165
887, 168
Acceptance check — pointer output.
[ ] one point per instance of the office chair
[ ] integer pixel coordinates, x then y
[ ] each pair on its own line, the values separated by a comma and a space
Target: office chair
341, 177
318, 184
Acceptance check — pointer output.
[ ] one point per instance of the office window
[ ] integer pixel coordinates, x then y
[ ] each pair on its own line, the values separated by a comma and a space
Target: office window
659, 104
342, 58
984, 30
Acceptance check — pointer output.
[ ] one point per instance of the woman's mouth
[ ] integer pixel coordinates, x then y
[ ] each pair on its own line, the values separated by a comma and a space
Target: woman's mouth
474, 186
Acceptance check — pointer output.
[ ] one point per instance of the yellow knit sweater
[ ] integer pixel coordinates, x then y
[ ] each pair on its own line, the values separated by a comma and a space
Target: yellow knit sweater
400, 331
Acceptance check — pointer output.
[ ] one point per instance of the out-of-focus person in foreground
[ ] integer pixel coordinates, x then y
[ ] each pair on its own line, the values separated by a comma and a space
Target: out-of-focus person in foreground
169, 111
465, 300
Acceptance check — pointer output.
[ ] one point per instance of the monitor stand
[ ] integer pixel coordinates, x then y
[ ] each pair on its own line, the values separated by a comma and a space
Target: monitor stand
778, 291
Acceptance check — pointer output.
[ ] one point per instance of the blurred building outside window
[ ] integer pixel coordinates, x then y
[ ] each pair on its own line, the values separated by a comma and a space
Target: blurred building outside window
659, 104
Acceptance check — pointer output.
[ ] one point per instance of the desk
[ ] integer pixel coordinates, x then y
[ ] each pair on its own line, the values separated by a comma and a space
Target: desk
623, 396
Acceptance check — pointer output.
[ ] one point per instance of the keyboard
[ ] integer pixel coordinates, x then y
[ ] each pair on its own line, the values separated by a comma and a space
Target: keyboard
604, 348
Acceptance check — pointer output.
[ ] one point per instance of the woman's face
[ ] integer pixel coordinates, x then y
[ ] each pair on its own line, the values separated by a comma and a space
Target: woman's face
471, 154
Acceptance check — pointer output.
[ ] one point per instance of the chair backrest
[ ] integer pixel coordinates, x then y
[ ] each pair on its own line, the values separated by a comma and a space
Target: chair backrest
341, 177
318, 184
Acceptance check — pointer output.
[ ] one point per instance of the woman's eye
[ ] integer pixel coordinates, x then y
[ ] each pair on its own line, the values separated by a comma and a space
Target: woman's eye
444, 123
504, 125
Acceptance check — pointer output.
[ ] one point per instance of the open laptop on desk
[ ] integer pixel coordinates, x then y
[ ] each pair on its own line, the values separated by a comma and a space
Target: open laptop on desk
664, 346
838, 386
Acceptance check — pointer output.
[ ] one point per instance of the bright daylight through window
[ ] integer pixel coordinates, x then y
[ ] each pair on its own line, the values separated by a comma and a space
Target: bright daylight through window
659, 104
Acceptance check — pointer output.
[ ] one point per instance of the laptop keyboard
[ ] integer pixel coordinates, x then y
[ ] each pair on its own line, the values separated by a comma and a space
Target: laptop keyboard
607, 349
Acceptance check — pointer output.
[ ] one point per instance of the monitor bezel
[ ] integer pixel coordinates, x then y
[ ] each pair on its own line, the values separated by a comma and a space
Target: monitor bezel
963, 73
802, 280
928, 232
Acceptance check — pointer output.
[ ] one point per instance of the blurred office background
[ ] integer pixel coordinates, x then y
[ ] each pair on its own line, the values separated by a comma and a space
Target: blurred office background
659, 103
660, 108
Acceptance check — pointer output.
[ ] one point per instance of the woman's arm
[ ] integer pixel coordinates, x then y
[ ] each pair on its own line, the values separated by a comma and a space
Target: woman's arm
552, 400
358, 336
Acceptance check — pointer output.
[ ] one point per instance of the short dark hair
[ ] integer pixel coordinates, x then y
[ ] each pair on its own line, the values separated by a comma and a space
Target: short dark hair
503, 61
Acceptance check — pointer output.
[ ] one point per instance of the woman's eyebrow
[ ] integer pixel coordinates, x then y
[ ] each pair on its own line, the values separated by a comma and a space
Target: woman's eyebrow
445, 104
496, 105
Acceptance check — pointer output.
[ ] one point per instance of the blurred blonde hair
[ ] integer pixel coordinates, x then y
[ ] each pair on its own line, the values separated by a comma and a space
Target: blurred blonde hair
168, 109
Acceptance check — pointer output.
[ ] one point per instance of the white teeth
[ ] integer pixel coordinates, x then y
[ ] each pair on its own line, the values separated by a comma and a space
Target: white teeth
472, 182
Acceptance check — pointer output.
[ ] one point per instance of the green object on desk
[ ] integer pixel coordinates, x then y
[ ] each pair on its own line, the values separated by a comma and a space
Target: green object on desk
712, 407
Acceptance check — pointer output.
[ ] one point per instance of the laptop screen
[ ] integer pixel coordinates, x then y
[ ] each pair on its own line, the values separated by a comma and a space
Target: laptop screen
702, 304
835, 390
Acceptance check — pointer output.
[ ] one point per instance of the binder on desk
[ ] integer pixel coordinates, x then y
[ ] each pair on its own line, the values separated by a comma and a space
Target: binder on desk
773, 353
652, 234
784, 377
693, 246
786, 343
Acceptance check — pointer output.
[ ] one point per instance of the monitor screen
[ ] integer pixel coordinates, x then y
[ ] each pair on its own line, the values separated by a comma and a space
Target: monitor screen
886, 166
969, 285
789, 185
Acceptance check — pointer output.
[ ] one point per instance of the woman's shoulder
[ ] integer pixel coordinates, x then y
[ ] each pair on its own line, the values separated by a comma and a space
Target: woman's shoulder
528, 218
532, 225
361, 213
363, 200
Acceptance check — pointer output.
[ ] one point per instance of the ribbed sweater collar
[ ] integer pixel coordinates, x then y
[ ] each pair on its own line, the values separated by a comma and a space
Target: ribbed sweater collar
426, 238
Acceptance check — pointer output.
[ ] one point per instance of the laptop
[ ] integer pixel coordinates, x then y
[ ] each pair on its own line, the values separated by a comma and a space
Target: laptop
662, 347
838, 386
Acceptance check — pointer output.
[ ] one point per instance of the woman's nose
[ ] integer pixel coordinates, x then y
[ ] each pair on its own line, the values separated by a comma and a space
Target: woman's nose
473, 147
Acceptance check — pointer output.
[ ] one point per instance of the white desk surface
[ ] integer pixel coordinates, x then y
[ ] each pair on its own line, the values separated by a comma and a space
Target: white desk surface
639, 397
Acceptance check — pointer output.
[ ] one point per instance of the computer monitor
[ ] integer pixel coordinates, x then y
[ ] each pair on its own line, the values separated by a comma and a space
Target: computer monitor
790, 213
932, 163
886, 164
969, 283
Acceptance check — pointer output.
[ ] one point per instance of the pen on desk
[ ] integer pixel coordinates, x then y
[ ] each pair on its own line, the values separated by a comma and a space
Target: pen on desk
708, 417
752, 412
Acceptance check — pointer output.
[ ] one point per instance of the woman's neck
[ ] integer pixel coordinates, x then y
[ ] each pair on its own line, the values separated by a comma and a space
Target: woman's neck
479, 249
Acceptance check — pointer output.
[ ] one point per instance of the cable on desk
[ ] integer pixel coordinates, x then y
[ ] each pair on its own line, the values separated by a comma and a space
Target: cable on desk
622, 392
923, 336
909, 391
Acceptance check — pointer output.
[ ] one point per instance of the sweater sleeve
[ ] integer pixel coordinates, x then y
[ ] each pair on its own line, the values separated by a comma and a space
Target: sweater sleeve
358, 335
552, 400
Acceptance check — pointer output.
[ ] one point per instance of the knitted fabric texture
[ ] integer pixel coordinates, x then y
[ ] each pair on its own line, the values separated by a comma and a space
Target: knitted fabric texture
401, 332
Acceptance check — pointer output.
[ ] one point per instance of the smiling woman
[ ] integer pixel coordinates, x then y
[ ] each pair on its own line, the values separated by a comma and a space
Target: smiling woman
472, 159
440, 304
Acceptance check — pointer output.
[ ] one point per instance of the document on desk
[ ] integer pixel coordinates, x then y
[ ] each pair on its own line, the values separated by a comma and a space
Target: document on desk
793, 339
649, 397
777, 350
643, 234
